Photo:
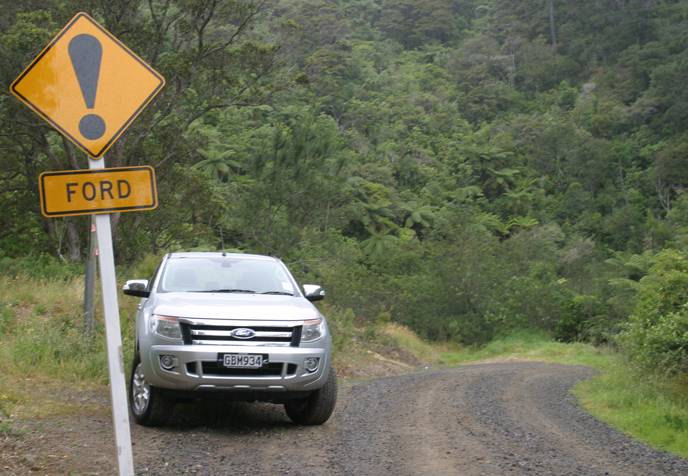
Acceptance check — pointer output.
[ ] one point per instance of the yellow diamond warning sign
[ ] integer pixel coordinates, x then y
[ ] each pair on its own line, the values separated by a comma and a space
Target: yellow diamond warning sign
88, 85
88, 192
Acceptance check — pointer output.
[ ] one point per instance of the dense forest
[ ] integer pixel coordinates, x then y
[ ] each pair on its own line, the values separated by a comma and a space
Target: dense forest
464, 167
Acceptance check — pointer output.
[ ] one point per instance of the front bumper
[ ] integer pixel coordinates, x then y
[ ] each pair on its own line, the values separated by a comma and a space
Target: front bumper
197, 369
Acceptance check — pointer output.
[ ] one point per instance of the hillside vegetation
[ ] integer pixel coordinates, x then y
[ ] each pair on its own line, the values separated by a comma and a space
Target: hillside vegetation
465, 168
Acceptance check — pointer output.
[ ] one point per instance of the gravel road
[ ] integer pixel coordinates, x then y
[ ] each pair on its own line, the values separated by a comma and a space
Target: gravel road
489, 419
486, 419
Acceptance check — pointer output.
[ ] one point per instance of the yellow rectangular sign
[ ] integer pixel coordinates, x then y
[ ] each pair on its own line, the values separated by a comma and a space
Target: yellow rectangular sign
89, 192
88, 85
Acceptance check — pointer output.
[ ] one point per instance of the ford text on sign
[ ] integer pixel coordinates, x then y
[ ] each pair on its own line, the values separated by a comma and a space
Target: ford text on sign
86, 192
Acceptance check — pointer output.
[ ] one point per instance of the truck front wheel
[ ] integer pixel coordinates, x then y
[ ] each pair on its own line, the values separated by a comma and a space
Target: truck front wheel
148, 405
317, 408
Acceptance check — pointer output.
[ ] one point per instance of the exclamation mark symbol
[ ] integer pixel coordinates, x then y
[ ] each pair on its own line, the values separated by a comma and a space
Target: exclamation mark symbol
85, 51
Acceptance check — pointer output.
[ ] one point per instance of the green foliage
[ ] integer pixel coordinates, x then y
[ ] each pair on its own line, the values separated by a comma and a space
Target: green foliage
343, 328
415, 23
656, 335
145, 267
578, 320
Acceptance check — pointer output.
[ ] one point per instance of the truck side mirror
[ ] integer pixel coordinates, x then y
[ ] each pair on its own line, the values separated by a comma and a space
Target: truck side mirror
313, 292
136, 287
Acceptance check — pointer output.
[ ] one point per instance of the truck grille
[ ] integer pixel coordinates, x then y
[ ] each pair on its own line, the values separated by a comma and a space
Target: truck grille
208, 334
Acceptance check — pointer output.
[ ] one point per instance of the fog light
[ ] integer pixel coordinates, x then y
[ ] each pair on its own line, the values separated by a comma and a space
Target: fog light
311, 363
168, 362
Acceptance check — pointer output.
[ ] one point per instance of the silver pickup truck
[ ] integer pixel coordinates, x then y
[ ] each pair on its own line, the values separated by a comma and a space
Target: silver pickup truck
229, 326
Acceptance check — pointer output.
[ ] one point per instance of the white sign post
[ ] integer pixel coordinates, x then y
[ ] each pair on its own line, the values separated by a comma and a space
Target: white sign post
113, 337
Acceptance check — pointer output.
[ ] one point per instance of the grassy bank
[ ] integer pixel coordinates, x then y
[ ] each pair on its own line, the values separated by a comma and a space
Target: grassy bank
649, 408
44, 350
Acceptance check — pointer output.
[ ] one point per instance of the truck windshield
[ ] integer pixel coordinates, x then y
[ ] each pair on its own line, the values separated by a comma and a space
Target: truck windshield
226, 275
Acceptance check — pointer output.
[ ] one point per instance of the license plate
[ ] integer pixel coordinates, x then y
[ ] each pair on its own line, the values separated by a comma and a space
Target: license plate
242, 361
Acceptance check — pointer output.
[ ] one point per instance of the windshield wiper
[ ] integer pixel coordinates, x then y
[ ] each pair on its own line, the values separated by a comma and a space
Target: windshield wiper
250, 291
281, 293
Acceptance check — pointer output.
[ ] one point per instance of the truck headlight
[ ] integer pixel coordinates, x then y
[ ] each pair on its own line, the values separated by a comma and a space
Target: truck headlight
313, 329
166, 327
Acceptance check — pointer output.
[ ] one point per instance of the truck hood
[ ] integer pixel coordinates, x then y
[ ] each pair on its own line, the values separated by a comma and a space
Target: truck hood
234, 306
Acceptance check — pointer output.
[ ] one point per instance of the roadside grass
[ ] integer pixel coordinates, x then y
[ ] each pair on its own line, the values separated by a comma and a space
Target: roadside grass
529, 345
44, 348
423, 351
651, 408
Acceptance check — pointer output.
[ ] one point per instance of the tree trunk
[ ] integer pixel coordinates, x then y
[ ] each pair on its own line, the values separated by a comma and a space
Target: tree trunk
73, 240
114, 222
552, 27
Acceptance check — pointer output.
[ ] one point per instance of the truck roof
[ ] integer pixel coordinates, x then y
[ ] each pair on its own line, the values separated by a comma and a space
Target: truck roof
218, 254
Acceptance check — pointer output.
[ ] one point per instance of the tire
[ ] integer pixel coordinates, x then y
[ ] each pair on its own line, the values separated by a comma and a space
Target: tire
153, 410
317, 408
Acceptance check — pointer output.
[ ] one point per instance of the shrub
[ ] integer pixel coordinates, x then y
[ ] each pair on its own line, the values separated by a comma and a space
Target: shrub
656, 335
579, 320
40, 267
